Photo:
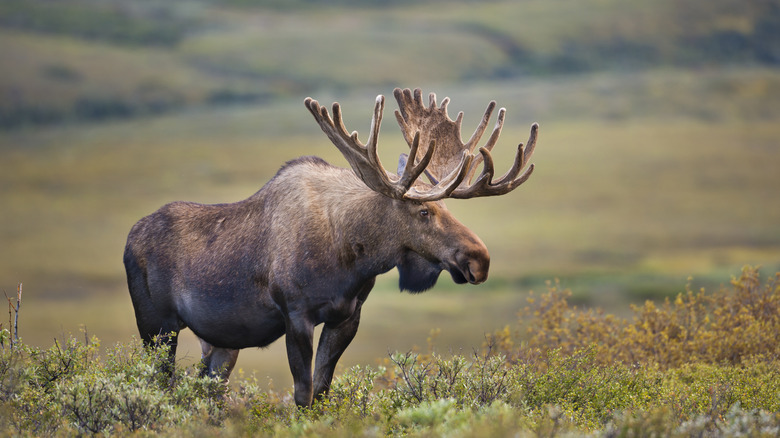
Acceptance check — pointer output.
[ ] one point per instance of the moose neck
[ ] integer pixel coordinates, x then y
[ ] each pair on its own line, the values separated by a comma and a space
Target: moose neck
366, 227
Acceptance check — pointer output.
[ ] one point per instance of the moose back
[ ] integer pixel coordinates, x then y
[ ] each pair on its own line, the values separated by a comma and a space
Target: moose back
307, 247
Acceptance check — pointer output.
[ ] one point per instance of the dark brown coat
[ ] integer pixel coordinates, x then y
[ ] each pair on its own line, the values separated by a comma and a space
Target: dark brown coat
306, 248
302, 251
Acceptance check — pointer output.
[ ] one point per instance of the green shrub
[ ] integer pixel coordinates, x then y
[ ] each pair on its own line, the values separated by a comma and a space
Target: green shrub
70, 388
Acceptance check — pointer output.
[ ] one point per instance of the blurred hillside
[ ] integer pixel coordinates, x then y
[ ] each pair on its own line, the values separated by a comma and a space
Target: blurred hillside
93, 60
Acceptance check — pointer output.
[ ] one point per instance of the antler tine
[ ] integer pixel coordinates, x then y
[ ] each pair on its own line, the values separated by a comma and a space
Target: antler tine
524, 154
401, 114
484, 186
373, 137
372, 151
531, 145
443, 109
446, 186
477, 135
491, 141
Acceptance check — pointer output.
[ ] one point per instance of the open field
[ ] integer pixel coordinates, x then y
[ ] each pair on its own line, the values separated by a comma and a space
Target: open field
646, 174
620, 210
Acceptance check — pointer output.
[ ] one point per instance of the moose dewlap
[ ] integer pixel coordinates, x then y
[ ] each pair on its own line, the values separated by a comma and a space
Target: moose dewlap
307, 247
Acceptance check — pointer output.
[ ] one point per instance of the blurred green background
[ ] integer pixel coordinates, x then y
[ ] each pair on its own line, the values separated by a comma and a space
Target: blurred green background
658, 157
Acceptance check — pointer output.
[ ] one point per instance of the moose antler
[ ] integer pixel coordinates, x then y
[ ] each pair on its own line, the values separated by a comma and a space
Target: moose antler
364, 160
433, 124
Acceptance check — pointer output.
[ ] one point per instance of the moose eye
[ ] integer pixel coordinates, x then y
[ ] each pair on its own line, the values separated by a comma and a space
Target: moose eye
424, 213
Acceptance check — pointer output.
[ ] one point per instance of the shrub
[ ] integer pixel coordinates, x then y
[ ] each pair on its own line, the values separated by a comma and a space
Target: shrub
729, 326
572, 375
69, 388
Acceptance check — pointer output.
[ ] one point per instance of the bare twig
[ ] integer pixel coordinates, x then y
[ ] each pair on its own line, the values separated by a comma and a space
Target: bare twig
15, 338
16, 312
83, 328
10, 306
10, 320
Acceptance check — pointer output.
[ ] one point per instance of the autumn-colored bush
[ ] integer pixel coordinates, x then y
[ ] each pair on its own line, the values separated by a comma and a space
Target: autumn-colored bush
734, 324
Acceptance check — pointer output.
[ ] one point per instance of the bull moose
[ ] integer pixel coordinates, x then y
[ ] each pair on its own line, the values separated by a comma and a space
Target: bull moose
307, 247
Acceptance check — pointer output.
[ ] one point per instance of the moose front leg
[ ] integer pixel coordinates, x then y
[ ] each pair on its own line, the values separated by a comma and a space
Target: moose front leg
299, 354
217, 362
334, 340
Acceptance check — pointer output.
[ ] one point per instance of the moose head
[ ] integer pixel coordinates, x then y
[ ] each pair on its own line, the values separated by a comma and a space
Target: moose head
438, 151
307, 247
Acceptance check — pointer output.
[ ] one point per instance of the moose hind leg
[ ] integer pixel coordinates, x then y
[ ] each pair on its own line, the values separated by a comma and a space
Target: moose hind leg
156, 325
158, 329
217, 362
163, 337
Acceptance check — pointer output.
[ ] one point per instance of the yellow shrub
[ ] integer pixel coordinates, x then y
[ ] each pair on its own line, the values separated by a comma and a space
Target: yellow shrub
697, 327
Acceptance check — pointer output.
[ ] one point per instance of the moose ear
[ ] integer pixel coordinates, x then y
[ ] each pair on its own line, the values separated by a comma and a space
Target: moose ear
402, 163
402, 166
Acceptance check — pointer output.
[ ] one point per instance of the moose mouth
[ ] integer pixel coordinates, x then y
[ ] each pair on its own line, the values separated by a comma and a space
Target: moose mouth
463, 274
458, 277
418, 274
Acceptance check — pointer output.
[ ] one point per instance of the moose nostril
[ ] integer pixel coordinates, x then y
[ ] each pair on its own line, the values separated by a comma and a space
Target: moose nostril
469, 274
473, 273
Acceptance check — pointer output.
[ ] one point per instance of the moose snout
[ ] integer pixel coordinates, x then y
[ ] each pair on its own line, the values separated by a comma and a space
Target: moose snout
474, 265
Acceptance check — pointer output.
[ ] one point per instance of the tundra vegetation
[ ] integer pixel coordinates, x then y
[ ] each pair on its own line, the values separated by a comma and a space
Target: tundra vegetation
701, 364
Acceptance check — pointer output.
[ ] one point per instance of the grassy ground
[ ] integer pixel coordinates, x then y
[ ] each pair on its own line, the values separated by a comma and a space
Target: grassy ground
563, 371
645, 174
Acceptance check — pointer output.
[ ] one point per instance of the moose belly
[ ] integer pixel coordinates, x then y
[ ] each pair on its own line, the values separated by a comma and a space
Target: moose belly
229, 323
